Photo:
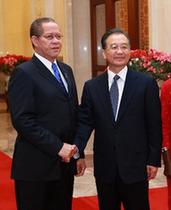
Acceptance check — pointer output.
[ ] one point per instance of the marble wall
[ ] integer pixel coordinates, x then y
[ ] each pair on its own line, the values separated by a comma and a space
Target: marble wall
159, 25
81, 42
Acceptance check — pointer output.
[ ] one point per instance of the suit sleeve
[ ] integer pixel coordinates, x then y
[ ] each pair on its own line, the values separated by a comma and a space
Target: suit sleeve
166, 113
85, 124
153, 119
24, 114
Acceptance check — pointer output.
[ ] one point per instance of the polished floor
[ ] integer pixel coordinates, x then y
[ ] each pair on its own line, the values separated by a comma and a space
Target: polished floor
85, 185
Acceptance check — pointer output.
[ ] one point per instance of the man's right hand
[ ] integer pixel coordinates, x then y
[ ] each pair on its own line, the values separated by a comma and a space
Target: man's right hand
67, 152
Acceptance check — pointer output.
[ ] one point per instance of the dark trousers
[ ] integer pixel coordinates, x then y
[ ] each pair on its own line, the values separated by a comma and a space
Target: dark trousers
132, 196
45, 195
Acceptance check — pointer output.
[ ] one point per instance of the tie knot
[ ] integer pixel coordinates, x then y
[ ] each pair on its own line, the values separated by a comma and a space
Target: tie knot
54, 66
116, 77
56, 72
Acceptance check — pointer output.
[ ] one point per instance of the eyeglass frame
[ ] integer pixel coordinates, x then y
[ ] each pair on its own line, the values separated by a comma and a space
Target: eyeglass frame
50, 37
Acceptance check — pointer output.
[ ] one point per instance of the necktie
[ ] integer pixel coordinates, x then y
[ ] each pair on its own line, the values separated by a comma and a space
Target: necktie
114, 94
58, 76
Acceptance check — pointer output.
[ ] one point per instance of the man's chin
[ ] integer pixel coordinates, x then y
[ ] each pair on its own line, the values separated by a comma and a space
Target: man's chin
120, 64
55, 56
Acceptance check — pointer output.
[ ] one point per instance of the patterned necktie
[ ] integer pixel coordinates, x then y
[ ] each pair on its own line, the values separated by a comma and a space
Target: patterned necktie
58, 76
114, 95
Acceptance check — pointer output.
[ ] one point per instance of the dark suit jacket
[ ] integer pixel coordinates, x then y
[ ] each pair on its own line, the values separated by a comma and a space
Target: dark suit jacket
132, 142
44, 117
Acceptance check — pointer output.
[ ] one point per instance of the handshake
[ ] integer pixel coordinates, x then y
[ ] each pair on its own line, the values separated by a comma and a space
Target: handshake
68, 151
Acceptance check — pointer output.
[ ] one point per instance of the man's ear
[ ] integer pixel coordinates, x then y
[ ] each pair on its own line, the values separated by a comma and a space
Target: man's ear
104, 54
34, 40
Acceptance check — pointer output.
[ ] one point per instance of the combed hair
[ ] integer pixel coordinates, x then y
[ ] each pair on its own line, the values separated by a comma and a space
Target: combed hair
36, 26
112, 31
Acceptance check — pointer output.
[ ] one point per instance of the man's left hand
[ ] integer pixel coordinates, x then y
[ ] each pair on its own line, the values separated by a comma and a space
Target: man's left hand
151, 172
81, 166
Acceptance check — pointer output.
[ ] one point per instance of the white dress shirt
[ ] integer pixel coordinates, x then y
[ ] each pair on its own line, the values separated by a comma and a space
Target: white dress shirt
120, 82
48, 65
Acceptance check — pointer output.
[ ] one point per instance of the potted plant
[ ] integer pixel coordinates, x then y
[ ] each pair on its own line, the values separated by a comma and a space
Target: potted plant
9, 62
153, 62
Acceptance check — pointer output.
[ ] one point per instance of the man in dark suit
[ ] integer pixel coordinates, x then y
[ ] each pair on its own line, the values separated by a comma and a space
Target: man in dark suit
43, 104
123, 108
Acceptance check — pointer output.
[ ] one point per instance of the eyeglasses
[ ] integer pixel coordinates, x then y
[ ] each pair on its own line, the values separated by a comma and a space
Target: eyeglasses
50, 37
115, 47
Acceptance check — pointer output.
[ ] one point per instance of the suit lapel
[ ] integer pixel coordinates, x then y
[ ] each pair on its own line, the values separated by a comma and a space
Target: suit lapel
67, 79
47, 75
103, 89
128, 92
130, 87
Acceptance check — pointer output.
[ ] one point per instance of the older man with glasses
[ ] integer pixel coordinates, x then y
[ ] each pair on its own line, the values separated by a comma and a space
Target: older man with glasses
43, 105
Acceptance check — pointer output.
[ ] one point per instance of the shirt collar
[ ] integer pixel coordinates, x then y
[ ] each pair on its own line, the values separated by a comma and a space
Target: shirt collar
122, 74
46, 62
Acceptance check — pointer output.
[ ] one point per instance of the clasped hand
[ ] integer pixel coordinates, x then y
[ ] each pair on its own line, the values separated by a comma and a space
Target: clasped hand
67, 152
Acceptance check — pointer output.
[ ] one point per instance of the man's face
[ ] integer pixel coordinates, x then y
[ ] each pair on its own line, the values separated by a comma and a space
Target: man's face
117, 52
49, 44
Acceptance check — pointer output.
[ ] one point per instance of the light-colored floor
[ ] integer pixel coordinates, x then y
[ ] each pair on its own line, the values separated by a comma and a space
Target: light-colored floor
85, 185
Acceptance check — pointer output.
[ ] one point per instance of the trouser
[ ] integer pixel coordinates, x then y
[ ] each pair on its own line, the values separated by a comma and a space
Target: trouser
45, 195
133, 196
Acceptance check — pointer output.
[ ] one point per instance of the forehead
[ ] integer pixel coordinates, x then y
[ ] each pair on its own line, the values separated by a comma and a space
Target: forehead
50, 27
117, 39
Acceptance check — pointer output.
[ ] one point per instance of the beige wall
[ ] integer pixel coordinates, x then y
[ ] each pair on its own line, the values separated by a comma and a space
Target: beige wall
73, 18
15, 25
81, 42
159, 24
16, 17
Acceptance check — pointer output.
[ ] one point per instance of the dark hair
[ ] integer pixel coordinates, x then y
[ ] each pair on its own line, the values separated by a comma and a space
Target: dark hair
36, 26
112, 31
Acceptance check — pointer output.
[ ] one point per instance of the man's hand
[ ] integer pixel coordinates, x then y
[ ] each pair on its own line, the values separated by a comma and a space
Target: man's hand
67, 152
81, 166
151, 172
